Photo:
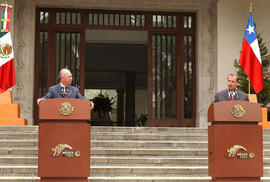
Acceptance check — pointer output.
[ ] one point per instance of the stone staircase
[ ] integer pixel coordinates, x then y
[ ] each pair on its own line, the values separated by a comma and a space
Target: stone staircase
120, 154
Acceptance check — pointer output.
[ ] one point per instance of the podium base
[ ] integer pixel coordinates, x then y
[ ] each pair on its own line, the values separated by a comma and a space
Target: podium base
43, 179
236, 179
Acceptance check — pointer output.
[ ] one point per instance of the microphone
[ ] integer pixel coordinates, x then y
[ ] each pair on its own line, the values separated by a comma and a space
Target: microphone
236, 97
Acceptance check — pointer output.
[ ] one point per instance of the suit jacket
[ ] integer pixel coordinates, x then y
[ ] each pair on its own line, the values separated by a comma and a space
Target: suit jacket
224, 96
55, 92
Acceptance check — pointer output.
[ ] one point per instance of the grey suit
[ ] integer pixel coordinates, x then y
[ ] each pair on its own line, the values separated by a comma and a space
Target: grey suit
55, 92
224, 96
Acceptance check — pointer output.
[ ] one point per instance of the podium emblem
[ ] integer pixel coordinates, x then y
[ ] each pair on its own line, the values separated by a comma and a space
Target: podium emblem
239, 152
238, 111
66, 108
64, 150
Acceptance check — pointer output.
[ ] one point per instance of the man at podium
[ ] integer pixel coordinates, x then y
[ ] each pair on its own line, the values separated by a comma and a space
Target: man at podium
64, 89
231, 93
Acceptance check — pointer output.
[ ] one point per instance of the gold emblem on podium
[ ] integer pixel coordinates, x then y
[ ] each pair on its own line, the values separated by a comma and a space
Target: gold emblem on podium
64, 150
66, 108
238, 111
239, 152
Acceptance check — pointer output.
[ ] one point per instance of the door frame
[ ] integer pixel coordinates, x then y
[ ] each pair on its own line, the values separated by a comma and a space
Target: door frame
90, 19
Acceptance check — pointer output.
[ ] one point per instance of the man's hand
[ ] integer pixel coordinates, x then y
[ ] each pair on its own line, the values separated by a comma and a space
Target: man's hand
38, 101
91, 105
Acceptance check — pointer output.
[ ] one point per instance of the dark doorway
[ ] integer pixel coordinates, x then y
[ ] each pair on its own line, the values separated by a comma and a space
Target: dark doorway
117, 70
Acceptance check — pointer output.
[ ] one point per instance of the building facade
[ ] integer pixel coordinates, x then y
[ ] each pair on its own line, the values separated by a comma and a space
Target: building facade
214, 29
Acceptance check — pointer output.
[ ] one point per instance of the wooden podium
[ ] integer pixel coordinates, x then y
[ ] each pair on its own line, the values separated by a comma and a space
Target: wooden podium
64, 140
235, 150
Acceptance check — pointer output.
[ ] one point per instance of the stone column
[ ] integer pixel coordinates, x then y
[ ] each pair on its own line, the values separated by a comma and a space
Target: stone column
130, 99
120, 107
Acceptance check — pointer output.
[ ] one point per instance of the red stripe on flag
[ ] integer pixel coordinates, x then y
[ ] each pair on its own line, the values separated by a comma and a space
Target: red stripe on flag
7, 25
8, 17
252, 67
7, 76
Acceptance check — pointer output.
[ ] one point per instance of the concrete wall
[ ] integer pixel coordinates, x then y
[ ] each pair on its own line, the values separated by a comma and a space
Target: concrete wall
206, 43
231, 24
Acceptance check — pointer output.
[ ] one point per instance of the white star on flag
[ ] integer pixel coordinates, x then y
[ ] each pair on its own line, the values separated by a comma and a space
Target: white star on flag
250, 29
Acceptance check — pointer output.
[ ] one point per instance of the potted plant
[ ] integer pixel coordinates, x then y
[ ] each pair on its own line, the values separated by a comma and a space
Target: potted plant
102, 104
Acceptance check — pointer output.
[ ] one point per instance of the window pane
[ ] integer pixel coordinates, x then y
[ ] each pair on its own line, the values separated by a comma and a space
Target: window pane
68, 54
106, 19
164, 21
57, 18
68, 18
163, 76
44, 17
43, 61
188, 76
187, 21
74, 18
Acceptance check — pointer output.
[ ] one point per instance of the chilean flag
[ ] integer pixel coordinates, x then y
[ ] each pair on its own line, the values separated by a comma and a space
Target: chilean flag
250, 58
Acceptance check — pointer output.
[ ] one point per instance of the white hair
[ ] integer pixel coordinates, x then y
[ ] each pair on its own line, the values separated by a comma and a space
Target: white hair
63, 72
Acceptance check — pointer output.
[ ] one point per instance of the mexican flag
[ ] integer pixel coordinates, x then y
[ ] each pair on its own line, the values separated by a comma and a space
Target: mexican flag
7, 73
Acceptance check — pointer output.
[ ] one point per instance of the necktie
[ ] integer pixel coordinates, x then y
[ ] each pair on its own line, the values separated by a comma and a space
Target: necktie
66, 91
231, 98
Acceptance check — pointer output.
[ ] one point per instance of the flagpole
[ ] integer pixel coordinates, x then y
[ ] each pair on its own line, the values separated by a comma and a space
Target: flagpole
248, 86
250, 10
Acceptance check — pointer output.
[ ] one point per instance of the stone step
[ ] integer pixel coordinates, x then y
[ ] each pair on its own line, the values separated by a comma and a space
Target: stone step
150, 179
19, 151
109, 136
30, 129
125, 179
114, 129
6, 160
161, 160
18, 135
124, 143
115, 170
142, 144
101, 151
157, 161
118, 178
170, 130
157, 136
149, 170
121, 170
116, 136
121, 179
118, 143
96, 160
18, 170
13, 143
120, 133
21, 129
148, 152
116, 152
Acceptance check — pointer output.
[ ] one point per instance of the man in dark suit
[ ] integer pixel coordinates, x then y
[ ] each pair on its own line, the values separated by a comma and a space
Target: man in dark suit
231, 93
64, 89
